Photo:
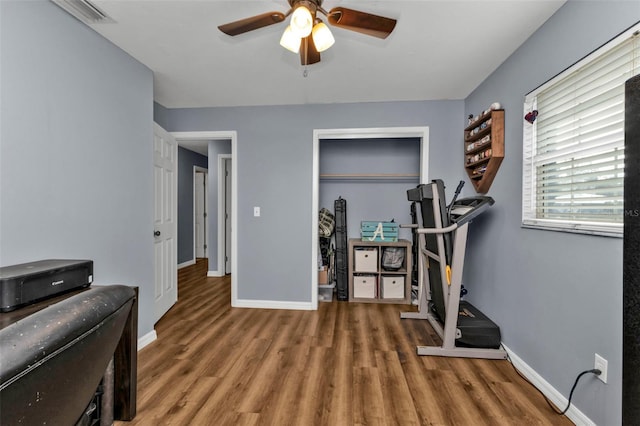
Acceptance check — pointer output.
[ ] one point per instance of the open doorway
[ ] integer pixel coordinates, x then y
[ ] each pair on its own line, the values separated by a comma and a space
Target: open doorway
215, 140
200, 209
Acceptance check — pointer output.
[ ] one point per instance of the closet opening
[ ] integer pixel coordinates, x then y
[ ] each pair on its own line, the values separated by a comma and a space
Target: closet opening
371, 169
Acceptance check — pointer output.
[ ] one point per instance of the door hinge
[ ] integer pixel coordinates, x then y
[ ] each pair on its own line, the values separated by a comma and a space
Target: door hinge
205, 246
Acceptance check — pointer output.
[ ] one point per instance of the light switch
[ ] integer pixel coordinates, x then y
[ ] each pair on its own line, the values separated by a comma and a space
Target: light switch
256, 211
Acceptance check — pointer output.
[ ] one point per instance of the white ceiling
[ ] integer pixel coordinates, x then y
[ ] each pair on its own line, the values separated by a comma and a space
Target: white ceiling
438, 50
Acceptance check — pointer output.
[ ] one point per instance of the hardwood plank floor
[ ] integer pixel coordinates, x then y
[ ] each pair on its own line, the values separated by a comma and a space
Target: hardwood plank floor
344, 364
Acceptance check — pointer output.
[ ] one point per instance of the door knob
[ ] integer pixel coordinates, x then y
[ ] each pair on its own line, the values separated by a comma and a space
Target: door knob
156, 233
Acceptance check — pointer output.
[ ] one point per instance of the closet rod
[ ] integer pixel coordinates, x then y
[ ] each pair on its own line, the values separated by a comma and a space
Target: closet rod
370, 176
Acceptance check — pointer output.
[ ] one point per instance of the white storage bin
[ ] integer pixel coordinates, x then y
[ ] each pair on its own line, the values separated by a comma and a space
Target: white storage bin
392, 287
364, 286
366, 259
325, 293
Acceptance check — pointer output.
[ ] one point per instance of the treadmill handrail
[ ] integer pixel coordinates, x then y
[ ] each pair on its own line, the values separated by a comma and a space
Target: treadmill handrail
445, 230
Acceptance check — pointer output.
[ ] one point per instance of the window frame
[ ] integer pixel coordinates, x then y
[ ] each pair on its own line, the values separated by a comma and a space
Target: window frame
529, 184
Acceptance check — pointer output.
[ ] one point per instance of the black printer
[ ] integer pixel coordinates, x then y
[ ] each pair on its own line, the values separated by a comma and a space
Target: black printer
28, 283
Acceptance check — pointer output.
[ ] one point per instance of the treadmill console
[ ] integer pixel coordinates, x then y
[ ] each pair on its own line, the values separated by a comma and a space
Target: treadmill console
466, 209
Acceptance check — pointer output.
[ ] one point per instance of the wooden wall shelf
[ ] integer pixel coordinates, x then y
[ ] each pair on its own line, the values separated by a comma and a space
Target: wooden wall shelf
484, 149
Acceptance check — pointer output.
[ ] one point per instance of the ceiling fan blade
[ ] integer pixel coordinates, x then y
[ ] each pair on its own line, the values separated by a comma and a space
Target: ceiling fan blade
362, 22
308, 52
252, 23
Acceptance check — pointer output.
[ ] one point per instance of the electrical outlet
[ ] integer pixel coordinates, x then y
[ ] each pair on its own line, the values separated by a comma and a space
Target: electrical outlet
601, 364
256, 211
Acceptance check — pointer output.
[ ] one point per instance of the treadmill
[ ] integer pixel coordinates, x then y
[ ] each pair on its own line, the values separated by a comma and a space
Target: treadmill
465, 331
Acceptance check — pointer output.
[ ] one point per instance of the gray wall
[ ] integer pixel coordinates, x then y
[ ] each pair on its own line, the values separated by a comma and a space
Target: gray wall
159, 114
216, 147
557, 296
274, 162
76, 149
186, 161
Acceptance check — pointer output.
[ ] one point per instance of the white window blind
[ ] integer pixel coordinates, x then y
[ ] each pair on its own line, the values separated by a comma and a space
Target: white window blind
573, 154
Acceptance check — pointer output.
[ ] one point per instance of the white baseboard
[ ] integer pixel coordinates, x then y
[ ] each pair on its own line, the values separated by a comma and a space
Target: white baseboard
214, 274
575, 415
272, 304
146, 339
187, 263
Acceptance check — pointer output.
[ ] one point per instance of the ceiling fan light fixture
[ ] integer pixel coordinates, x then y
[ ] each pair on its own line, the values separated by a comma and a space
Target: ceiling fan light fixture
301, 21
290, 41
306, 34
322, 37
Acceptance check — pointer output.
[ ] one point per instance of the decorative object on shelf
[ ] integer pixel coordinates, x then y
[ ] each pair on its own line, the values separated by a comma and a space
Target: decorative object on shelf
307, 34
379, 231
531, 116
484, 147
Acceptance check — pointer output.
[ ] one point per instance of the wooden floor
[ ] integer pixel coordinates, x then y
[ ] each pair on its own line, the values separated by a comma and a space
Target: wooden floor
344, 364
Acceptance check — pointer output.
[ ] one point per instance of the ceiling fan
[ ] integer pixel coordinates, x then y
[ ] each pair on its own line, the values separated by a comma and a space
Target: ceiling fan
307, 34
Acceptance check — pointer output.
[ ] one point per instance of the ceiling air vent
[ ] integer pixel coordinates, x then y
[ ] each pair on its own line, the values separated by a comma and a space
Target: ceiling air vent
84, 10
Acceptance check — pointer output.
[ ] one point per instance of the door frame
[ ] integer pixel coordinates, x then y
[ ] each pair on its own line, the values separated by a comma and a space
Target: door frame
198, 169
231, 135
354, 133
222, 230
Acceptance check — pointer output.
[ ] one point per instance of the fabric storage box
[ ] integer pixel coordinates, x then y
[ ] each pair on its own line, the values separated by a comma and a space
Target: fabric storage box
392, 287
393, 258
364, 286
379, 231
365, 259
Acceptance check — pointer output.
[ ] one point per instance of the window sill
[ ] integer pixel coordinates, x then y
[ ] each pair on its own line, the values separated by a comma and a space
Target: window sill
613, 231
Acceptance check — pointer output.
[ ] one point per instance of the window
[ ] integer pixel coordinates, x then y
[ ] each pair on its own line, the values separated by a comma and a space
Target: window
573, 153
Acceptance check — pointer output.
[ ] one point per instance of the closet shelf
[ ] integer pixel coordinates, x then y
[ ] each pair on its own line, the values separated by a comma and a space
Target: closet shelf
370, 176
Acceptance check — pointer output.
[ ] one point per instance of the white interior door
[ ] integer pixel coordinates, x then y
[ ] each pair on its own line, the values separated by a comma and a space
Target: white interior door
165, 153
227, 215
200, 190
